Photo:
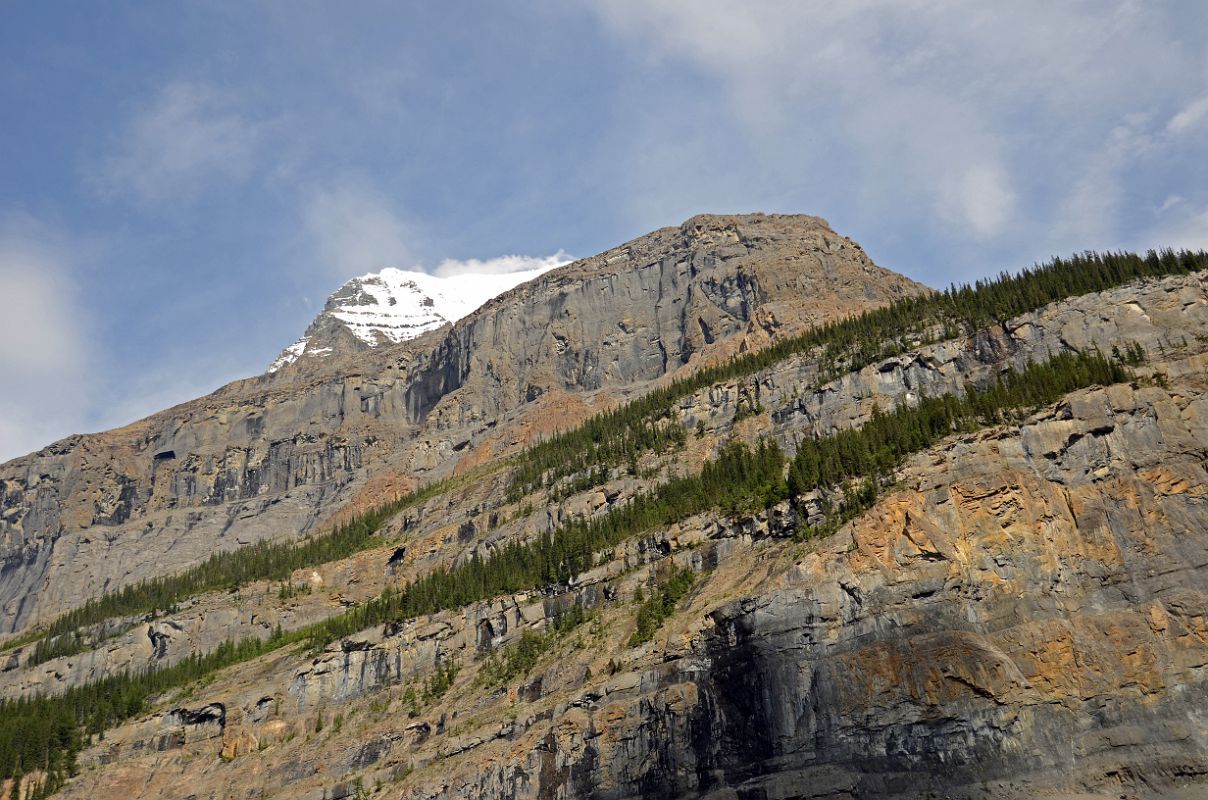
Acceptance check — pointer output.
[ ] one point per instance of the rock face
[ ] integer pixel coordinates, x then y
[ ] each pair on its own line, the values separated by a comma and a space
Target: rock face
1008, 624
1024, 615
274, 456
1029, 609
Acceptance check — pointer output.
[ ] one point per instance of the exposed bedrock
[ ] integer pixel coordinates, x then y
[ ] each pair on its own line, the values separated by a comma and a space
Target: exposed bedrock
1028, 615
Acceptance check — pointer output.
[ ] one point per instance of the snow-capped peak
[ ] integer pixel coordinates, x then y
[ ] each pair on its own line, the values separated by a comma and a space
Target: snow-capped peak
393, 305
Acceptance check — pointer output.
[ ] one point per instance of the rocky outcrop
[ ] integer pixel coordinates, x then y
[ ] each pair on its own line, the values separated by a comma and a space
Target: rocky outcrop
1029, 610
1025, 615
1009, 624
274, 456
645, 309
1158, 315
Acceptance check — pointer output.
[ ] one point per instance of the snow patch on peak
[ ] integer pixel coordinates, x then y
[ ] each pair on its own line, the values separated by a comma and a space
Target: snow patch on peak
394, 305
290, 354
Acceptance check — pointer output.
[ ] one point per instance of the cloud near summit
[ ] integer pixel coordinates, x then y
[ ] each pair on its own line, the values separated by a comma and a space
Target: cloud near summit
500, 265
356, 229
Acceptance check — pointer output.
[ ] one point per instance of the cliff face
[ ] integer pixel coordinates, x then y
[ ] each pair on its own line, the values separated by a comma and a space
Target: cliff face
1008, 625
1025, 614
274, 456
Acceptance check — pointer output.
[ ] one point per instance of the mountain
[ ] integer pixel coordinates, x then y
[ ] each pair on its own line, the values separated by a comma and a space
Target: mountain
275, 456
725, 511
394, 305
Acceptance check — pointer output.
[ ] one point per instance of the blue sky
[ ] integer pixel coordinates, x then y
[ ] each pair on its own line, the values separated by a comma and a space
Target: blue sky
181, 185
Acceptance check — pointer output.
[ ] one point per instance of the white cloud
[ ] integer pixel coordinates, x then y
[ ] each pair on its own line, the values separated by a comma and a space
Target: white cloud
187, 137
44, 340
500, 265
1088, 214
975, 53
1170, 202
979, 197
1189, 117
1179, 226
356, 230
967, 114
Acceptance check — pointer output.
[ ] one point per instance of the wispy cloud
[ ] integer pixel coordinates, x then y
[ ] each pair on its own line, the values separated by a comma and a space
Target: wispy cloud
980, 197
189, 136
500, 265
356, 229
45, 331
1190, 117
1178, 225
973, 118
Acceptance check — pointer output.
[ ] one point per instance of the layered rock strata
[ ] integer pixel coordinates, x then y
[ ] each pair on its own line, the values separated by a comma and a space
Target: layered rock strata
1025, 615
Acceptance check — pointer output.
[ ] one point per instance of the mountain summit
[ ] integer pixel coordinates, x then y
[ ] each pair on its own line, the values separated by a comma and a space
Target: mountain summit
275, 456
394, 305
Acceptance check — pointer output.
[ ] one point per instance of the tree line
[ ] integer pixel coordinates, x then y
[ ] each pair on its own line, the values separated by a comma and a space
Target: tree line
740, 480
650, 423
275, 561
861, 461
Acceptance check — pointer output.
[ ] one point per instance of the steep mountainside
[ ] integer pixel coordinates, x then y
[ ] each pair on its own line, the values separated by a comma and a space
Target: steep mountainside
274, 456
957, 547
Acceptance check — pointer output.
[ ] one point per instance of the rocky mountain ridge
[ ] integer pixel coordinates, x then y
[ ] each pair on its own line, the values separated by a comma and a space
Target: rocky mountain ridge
1020, 613
1021, 584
